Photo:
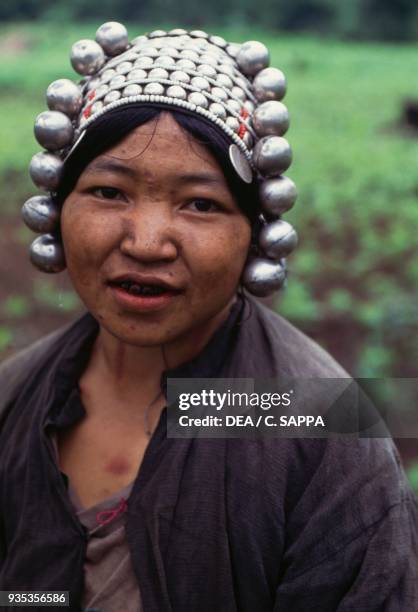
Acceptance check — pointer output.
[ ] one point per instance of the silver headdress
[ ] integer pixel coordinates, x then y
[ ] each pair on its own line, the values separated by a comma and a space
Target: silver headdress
231, 85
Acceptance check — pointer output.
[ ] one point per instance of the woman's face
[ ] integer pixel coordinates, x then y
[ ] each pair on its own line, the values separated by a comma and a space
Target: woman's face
155, 210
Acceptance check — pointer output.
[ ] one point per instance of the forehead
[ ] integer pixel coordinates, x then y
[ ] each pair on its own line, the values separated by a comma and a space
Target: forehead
162, 143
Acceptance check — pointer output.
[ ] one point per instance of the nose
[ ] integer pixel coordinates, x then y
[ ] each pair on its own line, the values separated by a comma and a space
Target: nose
149, 235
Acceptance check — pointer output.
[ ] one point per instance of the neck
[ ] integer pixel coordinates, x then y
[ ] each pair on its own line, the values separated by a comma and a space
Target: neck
126, 371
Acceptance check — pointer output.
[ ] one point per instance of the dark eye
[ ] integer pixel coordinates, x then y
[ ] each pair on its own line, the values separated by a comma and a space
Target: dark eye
203, 205
108, 193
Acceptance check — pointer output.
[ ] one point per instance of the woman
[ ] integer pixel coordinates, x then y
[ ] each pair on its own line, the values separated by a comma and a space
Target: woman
155, 210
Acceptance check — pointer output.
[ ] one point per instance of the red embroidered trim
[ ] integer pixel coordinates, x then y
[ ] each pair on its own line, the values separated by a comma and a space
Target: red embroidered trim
87, 112
242, 128
92, 94
106, 516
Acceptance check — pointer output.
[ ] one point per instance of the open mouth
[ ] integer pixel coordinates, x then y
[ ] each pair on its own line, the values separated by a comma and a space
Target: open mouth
143, 289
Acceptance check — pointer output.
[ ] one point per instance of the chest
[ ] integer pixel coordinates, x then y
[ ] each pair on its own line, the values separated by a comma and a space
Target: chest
101, 458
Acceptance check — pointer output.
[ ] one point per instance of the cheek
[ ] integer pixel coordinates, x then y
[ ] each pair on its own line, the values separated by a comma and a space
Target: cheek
87, 239
220, 256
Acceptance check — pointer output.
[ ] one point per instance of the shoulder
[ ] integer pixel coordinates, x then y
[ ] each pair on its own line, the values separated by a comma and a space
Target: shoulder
15, 370
291, 352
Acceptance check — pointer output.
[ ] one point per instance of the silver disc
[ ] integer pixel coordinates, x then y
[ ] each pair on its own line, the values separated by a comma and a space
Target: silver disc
240, 163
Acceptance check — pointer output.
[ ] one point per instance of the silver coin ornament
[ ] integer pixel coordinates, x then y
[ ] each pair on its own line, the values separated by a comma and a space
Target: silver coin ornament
270, 84
262, 276
53, 130
112, 37
272, 155
87, 57
277, 195
41, 214
65, 96
271, 118
47, 254
45, 170
277, 239
252, 57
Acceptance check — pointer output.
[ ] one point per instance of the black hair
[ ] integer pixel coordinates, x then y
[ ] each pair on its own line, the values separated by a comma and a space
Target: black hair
113, 126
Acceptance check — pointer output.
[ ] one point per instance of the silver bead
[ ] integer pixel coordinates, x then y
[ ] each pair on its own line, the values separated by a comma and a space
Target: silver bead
144, 62
158, 74
45, 170
199, 99
157, 34
199, 34
117, 81
186, 64
112, 37
200, 83
271, 118
232, 49
261, 277
233, 123
132, 90
40, 214
53, 130
277, 195
218, 41
206, 70
65, 96
218, 110
252, 57
96, 107
272, 155
208, 58
47, 254
277, 239
112, 96
155, 89
237, 92
124, 67
234, 105
166, 61
179, 75
219, 93
107, 75
87, 57
137, 74
269, 84
247, 139
175, 91
224, 81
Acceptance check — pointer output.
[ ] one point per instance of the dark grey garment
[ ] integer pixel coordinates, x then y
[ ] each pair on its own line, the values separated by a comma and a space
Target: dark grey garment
264, 525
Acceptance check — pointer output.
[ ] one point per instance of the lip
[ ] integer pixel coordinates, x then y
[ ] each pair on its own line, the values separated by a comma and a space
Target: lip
144, 279
138, 303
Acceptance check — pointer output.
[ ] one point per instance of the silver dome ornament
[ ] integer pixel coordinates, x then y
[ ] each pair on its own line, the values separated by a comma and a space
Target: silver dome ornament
252, 57
272, 155
41, 214
53, 130
47, 254
45, 170
175, 91
270, 84
271, 119
112, 37
65, 96
277, 239
277, 195
87, 57
198, 99
261, 277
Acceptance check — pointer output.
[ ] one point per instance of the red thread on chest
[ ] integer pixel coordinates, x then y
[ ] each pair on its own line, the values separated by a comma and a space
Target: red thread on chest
107, 516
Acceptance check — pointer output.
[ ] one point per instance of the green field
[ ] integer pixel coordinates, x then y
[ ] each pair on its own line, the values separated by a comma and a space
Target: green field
354, 279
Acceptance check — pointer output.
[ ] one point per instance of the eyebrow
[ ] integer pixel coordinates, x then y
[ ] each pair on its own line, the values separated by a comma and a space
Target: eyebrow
182, 179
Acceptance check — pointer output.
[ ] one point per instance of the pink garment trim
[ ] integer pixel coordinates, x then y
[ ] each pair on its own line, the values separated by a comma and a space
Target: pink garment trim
106, 516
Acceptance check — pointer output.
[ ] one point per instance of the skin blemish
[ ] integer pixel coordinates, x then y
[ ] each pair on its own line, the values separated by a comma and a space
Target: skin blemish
117, 466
